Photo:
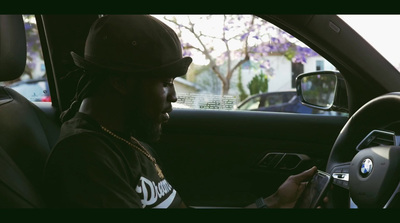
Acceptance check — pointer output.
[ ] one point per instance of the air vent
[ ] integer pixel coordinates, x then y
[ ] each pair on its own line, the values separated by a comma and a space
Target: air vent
378, 138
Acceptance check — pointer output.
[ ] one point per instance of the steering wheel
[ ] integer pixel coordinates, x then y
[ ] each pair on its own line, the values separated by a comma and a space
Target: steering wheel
369, 173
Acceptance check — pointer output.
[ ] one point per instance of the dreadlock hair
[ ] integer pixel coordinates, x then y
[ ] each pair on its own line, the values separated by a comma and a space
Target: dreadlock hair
87, 85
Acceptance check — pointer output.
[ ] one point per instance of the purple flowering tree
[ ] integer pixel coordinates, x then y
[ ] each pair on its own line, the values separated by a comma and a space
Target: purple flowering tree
32, 44
229, 41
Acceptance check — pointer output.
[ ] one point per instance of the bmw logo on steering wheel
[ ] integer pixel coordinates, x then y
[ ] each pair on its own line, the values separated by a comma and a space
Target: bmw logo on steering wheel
366, 167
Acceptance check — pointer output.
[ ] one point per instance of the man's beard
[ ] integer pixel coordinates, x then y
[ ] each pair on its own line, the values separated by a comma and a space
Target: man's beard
144, 129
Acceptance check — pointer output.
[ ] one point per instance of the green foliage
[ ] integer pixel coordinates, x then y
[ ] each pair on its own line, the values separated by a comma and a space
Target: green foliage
258, 84
242, 93
290, 53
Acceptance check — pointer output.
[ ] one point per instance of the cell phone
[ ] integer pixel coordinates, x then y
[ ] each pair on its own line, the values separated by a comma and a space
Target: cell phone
315, 190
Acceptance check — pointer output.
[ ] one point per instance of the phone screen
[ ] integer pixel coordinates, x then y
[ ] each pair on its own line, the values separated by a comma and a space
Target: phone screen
314, 191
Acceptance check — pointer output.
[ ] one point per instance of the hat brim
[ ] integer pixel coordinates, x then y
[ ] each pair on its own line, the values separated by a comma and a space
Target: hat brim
173, 69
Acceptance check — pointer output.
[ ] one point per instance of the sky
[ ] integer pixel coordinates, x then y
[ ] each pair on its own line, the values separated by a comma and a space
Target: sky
381, 31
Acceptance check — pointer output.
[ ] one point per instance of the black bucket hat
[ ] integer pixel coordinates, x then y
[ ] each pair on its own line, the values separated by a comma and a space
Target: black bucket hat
139, 45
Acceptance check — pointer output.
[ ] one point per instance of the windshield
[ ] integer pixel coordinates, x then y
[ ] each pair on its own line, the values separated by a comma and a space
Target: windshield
381, 31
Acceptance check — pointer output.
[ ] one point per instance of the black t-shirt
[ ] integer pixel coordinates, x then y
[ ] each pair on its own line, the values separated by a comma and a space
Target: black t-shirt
90, 168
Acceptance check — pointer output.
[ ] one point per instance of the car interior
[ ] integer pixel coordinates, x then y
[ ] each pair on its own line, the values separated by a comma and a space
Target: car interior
213, 158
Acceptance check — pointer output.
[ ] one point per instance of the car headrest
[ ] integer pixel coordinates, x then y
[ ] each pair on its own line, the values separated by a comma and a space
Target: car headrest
12, 47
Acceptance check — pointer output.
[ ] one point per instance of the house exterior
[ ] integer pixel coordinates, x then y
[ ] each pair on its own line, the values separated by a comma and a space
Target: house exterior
285, 74
282, 74
184, 86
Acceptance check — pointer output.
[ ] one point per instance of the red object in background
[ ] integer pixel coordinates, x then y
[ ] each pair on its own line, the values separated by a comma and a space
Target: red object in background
46, 99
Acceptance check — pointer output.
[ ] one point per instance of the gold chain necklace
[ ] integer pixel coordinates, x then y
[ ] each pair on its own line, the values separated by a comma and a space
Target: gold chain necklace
140, 148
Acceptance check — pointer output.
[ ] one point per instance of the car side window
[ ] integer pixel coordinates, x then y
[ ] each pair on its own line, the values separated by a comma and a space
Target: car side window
238, 57
32, 84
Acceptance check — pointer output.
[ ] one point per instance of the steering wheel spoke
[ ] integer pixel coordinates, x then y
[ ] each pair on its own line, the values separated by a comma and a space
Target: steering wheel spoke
393, 201
340, 175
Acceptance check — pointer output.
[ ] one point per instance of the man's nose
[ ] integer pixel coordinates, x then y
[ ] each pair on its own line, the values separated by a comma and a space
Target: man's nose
172, 95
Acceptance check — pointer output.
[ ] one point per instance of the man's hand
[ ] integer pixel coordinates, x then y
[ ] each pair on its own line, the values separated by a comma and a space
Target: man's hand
288, 193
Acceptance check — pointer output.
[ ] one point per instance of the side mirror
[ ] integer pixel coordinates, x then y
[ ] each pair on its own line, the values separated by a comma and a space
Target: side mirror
325, 90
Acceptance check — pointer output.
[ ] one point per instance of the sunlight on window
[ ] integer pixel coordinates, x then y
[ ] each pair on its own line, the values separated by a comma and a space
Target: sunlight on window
380, 32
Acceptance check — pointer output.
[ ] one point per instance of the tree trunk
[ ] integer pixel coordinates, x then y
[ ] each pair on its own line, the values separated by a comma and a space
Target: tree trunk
225, 87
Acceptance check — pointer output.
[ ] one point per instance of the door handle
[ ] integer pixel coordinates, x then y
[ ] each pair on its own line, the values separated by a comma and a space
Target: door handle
282, 161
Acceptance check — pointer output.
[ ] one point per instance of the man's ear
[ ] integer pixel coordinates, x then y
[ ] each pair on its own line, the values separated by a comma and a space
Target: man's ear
120, 84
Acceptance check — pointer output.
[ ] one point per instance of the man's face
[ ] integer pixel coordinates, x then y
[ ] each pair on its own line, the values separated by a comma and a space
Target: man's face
151, 107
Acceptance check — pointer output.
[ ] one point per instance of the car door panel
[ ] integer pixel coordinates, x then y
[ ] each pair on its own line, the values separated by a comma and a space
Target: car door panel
225, 158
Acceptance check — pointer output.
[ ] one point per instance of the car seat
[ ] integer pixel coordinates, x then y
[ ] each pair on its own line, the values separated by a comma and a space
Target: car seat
26, 133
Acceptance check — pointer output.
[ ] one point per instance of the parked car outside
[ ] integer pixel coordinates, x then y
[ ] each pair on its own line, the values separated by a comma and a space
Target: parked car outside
284, 101
35, 90
264, 100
